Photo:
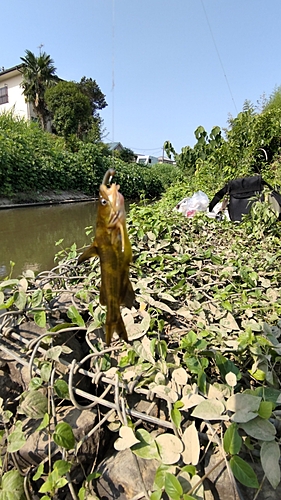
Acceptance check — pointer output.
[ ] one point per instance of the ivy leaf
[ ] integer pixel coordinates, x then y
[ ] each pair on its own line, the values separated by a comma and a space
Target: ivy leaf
40, 318
265, 409
63, 436
36, 299
270, 455
243, 472
169, 447
245, 407
259, 429
75, 316
16, 439
20, 300
173, 487
12, 486
39, 472
34, 405
210, 409
44, 423
126, 439
191, 452
45, 371
62, 466
232, 440
146, 448
61, 389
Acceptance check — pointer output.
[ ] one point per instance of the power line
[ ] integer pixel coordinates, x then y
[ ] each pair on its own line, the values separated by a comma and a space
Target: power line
218, 54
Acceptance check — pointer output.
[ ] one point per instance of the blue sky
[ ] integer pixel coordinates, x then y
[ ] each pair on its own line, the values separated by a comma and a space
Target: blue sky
177, 64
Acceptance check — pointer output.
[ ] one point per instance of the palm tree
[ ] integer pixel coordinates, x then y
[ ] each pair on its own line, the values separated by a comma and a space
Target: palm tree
38, 75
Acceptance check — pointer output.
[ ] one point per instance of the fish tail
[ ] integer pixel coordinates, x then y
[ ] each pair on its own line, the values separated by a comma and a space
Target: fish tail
117, 327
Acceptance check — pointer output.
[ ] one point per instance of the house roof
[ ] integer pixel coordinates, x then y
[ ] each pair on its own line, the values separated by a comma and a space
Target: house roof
4, 71
114, 145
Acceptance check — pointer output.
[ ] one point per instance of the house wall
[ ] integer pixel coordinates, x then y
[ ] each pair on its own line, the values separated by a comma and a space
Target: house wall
16, 98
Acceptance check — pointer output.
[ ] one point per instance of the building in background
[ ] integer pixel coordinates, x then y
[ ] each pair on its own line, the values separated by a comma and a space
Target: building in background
11, 94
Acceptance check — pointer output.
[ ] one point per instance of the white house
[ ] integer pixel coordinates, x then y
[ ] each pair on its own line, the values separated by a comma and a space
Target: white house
11, 96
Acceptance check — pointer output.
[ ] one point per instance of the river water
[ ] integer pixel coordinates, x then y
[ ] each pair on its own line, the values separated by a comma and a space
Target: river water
28, 234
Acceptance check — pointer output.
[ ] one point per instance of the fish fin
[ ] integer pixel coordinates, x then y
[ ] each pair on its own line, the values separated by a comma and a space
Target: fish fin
128, 295
118, 328
91, 251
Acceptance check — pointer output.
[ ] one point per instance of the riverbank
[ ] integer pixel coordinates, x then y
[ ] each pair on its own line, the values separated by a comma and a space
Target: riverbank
44, 198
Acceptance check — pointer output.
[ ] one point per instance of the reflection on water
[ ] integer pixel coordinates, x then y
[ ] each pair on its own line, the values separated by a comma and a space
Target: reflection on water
28, 235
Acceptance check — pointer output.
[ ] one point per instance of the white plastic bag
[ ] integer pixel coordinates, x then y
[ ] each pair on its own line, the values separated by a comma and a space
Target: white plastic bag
198, 202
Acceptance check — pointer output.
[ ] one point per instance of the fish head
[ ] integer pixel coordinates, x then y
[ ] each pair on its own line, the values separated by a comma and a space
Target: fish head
111, 206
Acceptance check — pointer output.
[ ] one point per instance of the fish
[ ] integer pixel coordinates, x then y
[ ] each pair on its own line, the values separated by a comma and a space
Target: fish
112, 245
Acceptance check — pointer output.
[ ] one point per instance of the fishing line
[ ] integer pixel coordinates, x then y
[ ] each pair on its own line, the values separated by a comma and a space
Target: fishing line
112, 75
218, 54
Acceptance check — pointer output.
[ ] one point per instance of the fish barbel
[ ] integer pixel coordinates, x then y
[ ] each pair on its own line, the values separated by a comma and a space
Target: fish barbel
113, 247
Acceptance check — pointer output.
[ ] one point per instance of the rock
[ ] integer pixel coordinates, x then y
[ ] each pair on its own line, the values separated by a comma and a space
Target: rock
218, 485
124, 475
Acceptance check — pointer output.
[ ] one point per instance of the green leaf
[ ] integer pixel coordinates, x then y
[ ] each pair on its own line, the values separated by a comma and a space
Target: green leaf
54, 352
156, 495
12, 486
16, 439
176, 417
44, 423
34, 405
265, 409
210, 409
20, 300
82, 493
243, 472
232, 441
39, 472
159, 479
45, 371
190, 469
146, 448
63, 436
62, 466
75, 316
259, 428
61, 389
173, 487
36, 299
8, 283
270, 455
35, 383
40, 318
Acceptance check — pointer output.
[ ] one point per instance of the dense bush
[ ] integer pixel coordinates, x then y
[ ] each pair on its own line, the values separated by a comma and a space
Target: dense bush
33, 160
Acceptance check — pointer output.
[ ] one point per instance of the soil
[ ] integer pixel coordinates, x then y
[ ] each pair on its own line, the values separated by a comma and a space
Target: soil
44, 198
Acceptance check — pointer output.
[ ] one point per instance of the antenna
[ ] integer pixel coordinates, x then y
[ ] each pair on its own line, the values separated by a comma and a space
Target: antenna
40, 47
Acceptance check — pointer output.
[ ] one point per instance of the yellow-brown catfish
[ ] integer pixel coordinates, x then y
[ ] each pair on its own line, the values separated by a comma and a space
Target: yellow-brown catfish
113, 247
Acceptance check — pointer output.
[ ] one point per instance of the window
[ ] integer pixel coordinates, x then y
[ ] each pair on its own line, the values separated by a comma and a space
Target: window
4, 95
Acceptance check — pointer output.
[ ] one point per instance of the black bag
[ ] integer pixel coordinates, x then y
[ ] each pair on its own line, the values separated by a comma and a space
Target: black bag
242, 193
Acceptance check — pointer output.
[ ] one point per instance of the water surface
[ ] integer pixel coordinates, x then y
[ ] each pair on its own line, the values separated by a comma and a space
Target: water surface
28, 234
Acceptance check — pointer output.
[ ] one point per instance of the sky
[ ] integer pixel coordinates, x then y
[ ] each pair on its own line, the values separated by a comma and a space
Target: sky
165, 66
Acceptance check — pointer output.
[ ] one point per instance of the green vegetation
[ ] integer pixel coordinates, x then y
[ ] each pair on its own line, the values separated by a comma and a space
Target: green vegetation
204, 340
33, 160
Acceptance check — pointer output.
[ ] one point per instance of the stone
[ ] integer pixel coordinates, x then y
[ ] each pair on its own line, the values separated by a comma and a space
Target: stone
124, 475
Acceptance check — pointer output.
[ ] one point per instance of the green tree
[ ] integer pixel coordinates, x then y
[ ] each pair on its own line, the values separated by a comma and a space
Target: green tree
126, 155
39, 74
70, 108
91, 89
92, 129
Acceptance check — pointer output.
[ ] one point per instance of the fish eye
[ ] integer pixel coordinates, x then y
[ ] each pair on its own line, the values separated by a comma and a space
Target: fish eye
103, 201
